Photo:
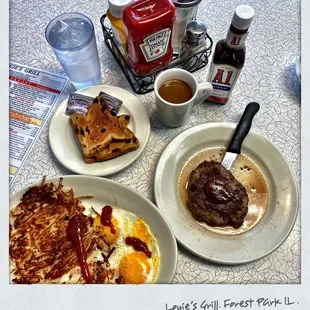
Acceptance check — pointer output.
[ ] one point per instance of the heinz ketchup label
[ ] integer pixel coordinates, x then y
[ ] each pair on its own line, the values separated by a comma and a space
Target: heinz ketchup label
148, 24
155, 45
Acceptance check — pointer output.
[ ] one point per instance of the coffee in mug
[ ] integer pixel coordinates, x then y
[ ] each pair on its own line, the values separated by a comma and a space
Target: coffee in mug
175, 91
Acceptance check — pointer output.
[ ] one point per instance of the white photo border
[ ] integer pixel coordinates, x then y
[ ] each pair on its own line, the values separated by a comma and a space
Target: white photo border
159, 297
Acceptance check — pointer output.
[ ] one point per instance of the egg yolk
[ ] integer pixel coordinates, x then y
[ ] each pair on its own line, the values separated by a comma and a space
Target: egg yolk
108, 237
141, 231
134, 268
97, 222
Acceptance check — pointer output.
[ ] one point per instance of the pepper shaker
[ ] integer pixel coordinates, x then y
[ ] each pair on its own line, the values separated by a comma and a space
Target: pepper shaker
186, 12
194, 40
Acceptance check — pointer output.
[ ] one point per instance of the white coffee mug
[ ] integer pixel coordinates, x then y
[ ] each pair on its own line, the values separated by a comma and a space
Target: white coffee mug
175, 115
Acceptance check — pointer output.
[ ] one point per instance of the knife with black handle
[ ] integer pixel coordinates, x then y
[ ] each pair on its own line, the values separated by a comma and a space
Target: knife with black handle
242, 129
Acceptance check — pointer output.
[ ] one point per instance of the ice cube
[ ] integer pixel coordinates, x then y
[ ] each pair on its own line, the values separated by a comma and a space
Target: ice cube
60, 35
56, 27
60, 26
66, 34
76, 34
63, 42
78, 24
77, 31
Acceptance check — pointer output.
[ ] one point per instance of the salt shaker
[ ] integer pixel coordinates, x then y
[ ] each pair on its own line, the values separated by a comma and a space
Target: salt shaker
194, 40
186, 12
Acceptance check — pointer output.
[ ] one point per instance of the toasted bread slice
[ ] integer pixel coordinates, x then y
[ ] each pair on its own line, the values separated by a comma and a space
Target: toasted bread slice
117, 148
98, 128
124, 120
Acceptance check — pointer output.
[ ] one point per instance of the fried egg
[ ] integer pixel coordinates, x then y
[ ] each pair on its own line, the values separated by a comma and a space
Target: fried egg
131, 266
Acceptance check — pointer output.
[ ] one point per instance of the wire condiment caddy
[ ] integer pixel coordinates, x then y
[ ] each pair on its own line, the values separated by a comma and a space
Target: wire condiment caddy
142, 84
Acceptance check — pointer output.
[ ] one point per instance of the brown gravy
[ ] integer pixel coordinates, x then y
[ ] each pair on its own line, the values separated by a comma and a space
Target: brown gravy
246, 172
175, 91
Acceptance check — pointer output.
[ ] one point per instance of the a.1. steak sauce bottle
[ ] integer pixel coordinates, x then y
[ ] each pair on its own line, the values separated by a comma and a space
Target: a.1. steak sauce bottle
229, 56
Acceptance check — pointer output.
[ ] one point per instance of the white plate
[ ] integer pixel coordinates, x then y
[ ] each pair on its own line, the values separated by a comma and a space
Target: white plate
65, 145
107, 192
254, 244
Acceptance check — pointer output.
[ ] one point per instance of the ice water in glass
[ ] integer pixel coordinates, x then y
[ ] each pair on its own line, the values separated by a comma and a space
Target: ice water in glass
73, 40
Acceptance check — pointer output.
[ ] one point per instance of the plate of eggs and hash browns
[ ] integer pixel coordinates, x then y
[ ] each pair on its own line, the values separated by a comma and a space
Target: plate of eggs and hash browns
88, 230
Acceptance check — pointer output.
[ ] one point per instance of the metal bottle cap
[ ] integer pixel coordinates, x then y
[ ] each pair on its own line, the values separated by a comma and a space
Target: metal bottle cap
185, 3
196, 30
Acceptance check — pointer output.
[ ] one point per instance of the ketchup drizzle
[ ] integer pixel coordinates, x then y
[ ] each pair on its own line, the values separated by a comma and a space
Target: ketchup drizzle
75, 235
138, 245
105, 218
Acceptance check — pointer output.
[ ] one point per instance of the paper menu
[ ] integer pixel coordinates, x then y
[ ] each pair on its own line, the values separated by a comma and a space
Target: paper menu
33, 95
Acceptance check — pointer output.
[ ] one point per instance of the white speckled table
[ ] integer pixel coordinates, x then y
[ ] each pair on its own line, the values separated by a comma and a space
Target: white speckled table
268, 78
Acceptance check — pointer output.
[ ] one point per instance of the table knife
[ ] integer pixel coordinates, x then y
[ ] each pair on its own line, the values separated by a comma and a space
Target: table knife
242, 129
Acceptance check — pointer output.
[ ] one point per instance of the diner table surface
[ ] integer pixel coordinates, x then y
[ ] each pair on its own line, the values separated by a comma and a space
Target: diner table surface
268, 77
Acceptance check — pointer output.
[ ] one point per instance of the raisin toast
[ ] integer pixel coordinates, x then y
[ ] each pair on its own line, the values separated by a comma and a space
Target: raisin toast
117, 148
98, 128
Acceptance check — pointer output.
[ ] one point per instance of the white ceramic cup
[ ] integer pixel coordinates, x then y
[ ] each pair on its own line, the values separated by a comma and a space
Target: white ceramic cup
175, 115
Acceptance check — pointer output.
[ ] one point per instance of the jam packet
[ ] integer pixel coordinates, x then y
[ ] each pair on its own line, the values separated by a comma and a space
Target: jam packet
114, 103
78, 103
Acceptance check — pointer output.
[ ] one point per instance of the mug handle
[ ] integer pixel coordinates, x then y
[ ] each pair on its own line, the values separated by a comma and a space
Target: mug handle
204, 91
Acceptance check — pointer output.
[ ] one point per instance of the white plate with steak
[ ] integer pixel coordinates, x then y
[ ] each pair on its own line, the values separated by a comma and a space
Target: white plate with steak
254, 204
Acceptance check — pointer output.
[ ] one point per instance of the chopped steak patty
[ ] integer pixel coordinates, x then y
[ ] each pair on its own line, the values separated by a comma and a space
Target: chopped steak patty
215, 196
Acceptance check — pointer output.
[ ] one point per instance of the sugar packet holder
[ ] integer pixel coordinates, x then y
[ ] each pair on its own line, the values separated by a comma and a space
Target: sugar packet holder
78, 103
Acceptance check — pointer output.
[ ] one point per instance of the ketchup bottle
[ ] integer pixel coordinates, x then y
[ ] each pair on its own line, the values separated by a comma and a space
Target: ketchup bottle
148, 24
229, 56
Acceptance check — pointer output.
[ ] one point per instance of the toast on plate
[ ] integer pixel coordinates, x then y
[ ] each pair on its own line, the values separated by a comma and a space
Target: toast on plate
117, 148
98, 128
